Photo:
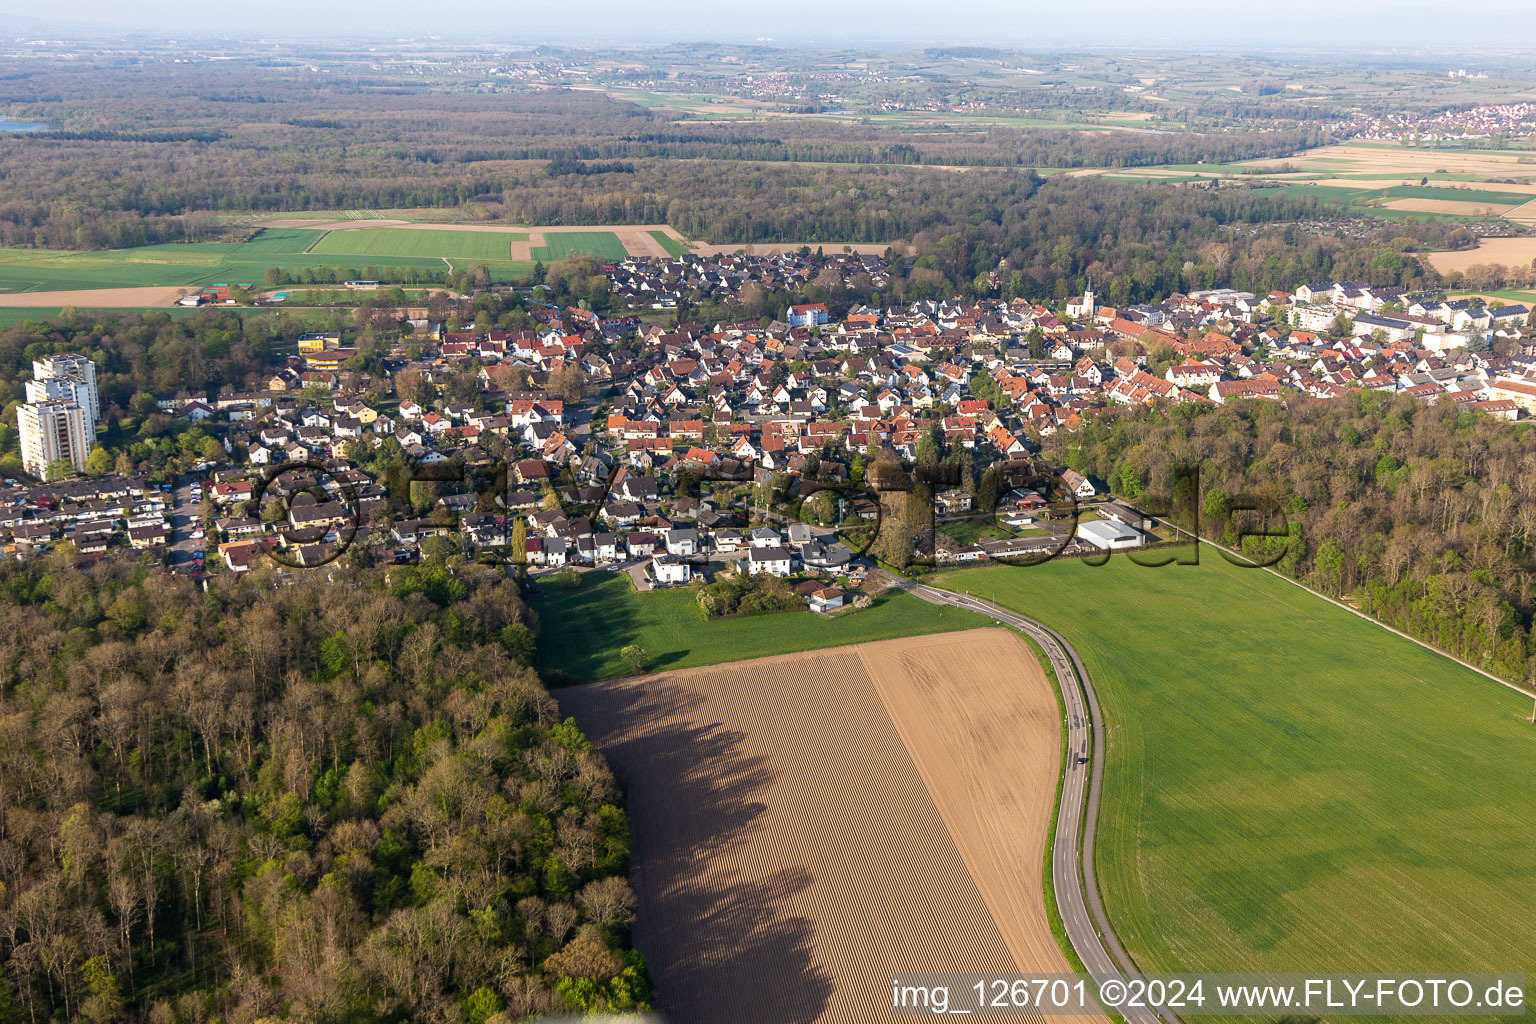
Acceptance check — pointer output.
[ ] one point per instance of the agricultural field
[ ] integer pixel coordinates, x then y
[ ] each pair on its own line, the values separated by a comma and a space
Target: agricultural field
189, 266
488, 246
808, 825
1389, 182
667, 242
605, 245
604, 615
1361, 803
1456, 193
1512, 252
1506, 296
1384, 161
1400, 200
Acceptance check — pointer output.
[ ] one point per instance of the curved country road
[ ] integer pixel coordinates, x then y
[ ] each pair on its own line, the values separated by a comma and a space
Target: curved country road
1077, 895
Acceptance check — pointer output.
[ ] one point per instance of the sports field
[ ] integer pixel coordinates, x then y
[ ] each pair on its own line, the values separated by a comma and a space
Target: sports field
808, 825
1289, 787
386, 243
604, 615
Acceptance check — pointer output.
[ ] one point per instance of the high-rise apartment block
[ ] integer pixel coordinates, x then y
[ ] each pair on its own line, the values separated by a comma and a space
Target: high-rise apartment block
58, 421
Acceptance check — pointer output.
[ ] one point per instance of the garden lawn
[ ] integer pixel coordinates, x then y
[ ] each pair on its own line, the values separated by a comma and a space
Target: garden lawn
1289, 787
980, 528
583, 629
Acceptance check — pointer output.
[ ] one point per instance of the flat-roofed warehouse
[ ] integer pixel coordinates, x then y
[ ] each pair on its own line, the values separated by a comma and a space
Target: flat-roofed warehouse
1109, 535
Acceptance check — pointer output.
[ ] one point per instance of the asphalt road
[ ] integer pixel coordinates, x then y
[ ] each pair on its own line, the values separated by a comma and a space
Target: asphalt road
1077, 895
184, 519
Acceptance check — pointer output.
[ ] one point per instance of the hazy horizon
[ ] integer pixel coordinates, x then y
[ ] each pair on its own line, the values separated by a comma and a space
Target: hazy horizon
1375, 25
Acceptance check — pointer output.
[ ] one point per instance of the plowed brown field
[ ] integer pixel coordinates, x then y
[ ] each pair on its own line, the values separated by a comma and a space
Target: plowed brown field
808, 826
1512, 252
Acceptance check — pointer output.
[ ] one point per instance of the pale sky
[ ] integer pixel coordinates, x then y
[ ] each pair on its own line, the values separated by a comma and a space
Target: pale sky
1414, 26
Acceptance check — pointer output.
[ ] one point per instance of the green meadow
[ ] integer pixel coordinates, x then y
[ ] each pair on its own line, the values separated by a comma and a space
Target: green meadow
1289, 787
667, 242
605, 245
1459, 195
584, 628
423, 243
196, 265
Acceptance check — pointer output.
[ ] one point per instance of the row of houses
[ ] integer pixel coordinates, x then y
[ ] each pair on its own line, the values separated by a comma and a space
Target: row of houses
94, 514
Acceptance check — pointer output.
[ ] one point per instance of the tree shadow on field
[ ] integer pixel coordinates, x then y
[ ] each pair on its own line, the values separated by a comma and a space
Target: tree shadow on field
581, 627
712, 929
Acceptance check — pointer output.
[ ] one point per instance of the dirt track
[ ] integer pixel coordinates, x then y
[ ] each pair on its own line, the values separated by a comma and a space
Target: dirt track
809, 825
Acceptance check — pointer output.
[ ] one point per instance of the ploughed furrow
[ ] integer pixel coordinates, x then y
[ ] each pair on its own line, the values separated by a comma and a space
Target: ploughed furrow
788, 857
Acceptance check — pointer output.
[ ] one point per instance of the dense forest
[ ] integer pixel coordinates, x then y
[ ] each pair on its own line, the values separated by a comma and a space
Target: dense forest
345, 799
1422, 515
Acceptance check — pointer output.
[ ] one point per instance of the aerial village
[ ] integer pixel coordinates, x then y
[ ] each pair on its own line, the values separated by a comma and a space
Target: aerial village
695, 449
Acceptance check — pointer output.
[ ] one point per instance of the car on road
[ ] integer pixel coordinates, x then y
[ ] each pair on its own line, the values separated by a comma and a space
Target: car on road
197, 534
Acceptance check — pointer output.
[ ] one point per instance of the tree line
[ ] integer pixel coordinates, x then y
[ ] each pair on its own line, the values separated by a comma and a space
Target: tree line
1422, 515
